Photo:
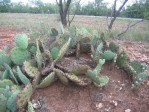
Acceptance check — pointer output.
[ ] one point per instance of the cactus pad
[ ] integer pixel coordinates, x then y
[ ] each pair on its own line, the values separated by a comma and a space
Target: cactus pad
18, 56
63, 50
47, 80
30, 70
11, 103
3, 102
24, 96
22, 77
73, 77
113, 47
54, 52
6, 82
108, 55
80, 69
38, 55
30, 107
61, 75
4, 58
21, 41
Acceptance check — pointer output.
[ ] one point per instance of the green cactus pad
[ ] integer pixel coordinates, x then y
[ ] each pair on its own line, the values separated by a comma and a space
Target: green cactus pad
113, 47
54, 32
30, 70
47, 81
108, 55
15, 88
61, 75
21, 41
63, 50
4, 58
30, 107
6, 82
18, 56
93, 75
5, 91
38, 55
22, 77
142, 76
3, 102
103, 81
24, 96
80, 69
49, 55
138, 67
7, 67
73, 77
32, 48
54, 52
11, 103
5, 74
122, 59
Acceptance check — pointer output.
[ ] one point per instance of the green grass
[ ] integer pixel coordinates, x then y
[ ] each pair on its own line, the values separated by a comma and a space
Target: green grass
39, 25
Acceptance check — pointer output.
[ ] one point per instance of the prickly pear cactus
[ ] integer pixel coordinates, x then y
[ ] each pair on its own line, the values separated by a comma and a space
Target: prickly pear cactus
4, 58
24, 96
11, 103
6, 82
30, 70
32, 48
80, 69
122, 59
103, 80
47, 81
54, 32
73, 77
12, 76
22, 77
63, 50
113, 47
61, 75
54, 52
3, 102
137, 66
108, 55
21, 41
38, 55
30, 107
18, 56
5, 74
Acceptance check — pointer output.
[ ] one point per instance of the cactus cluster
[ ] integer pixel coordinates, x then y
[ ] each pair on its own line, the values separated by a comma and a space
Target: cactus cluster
30, 66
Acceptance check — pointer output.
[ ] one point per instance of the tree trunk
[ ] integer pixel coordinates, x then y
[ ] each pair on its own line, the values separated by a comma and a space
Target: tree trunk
63, 10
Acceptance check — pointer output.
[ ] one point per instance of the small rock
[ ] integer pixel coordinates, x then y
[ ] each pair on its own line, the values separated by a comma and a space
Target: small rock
36, 104
99, 106
127, 110
115, 103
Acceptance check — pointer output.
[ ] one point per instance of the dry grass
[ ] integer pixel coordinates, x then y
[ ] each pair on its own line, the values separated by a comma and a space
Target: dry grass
40, 24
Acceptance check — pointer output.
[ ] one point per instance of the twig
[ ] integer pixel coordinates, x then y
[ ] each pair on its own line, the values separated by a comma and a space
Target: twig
128, 27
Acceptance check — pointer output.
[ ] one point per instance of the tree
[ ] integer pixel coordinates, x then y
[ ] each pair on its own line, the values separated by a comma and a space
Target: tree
63, 6
114, 15
5, 5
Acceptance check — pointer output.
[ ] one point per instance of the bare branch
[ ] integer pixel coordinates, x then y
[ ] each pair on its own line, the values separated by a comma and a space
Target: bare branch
70, 21
116, 13
129, 26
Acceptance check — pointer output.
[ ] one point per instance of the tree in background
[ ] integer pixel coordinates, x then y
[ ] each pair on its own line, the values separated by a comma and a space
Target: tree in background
5, 5
63, 6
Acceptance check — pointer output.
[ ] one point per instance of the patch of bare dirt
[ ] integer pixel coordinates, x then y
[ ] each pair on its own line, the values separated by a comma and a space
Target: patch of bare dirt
7, 36
117, 96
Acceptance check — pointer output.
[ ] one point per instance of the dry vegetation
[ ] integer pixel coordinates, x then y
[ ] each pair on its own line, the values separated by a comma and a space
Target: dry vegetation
40, 24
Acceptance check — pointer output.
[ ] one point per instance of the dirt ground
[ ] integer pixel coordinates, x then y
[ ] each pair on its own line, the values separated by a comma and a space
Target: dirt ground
117, 96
